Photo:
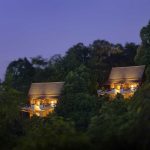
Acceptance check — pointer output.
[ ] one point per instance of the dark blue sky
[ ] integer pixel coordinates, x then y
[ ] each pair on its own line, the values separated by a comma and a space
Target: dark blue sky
47, 27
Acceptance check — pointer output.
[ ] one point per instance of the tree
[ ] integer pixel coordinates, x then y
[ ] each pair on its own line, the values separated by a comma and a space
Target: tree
52, 133
76, 56
103, 55
51, 70
58, 66
38, 62
107, 128
10, 121
19, 74
139, 131
130, 50
40, 66
143, 52
76, 102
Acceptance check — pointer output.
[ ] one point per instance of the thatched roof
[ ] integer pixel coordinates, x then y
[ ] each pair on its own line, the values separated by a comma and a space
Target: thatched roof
46, 89
125, 74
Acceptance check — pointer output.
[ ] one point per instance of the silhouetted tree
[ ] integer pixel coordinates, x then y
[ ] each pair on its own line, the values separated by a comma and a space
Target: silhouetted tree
19, 74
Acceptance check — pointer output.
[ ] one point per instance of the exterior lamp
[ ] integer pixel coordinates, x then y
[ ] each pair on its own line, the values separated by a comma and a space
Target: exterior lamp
132, 87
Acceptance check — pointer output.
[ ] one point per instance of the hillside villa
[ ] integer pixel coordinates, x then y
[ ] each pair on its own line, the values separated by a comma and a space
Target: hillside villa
42, 98
123, 80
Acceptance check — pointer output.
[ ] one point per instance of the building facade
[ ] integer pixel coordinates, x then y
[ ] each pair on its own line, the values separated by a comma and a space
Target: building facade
123, 80
42, 98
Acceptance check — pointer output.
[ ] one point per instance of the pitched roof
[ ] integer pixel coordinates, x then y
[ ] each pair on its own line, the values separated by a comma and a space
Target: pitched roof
46, 89
121, 74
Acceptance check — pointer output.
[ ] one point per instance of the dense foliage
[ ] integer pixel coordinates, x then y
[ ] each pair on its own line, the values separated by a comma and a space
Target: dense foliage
81, 120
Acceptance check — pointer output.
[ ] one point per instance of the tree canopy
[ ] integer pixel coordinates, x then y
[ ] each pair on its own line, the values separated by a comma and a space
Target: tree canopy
81, 119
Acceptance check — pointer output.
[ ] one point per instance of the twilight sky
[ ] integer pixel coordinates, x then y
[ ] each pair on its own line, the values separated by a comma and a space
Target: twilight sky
47, 27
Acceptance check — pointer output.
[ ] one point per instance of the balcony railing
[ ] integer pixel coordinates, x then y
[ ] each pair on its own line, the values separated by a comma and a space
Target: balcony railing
41, 108
115, 91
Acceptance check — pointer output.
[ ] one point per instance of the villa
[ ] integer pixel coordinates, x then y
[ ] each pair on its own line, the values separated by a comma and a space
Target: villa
42, 98
123, 80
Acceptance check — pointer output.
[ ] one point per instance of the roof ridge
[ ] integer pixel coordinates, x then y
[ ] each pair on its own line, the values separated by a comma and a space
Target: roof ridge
129, 66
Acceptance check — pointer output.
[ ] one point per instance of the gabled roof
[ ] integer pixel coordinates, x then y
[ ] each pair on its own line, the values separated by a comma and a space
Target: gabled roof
124, 74
46, 89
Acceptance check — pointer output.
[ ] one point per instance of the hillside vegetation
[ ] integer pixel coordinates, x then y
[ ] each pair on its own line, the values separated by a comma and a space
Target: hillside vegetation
81, 119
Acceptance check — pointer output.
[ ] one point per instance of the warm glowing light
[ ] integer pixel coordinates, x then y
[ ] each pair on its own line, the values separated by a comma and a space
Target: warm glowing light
40, 106
118, 87
53, 103
37, 114
117, 91
112, 86
133, 87
37, 105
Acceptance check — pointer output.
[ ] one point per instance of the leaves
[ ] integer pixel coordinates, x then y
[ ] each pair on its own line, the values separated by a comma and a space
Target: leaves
81, 119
